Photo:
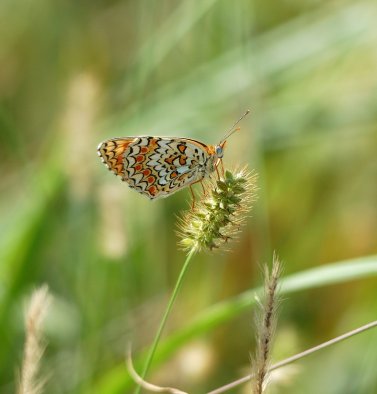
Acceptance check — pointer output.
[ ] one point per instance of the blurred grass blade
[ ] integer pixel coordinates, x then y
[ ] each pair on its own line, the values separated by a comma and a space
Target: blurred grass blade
265, 55
181, 21
117, 380
20, 237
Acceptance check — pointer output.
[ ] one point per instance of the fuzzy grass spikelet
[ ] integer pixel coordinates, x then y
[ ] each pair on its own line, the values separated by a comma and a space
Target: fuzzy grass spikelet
266, 321
30, 382
222, 210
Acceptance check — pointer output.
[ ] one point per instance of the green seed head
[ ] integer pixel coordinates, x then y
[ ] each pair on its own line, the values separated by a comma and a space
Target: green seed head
218, 216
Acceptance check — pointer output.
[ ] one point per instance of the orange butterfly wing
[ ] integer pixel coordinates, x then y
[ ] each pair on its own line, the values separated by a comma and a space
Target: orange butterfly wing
111, 152
157, 166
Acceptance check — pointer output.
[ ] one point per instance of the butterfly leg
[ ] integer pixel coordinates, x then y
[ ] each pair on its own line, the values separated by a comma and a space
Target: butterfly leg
204, 189
193, 197
217, 171
193, 194
222, 169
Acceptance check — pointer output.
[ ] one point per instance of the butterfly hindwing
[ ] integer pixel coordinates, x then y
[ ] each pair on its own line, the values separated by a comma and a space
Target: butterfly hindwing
111, 152
156, 166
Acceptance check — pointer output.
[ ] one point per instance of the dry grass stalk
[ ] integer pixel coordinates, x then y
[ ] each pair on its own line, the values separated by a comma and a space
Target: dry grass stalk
34, 346
265, 327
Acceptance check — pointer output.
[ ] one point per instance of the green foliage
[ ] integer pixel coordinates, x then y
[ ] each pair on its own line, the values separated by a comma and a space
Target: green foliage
75, 73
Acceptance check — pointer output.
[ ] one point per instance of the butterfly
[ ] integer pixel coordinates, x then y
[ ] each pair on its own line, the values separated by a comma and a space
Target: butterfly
160, 166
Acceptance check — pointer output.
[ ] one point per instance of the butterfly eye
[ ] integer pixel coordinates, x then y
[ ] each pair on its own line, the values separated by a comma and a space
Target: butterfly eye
219, 151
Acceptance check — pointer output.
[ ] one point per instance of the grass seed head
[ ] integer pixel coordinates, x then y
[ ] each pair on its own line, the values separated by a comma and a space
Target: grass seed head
218, 216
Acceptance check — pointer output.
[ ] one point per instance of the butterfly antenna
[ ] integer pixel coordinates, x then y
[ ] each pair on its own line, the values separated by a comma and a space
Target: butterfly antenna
233, 128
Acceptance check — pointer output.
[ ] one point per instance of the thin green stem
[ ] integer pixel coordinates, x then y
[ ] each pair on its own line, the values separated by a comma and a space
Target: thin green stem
165, 317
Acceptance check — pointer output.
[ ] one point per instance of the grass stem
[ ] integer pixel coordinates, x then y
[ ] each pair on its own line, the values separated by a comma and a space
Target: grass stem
165, 317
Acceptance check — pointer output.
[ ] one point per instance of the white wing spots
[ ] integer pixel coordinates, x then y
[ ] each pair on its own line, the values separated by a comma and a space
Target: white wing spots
143, 141
131, 161
183, 169
138, 177
134, 150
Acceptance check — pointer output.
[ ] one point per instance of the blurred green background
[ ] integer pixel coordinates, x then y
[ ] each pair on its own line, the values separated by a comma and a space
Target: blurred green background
73, 73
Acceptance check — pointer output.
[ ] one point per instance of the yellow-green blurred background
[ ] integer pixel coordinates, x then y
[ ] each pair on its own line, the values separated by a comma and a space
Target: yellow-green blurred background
73, 73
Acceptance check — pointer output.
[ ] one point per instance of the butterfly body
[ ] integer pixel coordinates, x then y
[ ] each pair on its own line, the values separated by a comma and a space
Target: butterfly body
159, 166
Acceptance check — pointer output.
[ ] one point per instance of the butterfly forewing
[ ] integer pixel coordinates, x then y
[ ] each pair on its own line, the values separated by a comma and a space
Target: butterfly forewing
157, 166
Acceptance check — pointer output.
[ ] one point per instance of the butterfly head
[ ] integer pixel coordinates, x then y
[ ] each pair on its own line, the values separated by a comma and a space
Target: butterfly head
219, 150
